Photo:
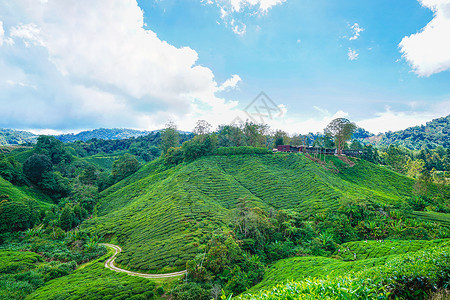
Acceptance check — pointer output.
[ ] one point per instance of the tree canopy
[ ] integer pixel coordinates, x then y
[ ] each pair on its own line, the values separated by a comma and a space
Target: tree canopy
341, 130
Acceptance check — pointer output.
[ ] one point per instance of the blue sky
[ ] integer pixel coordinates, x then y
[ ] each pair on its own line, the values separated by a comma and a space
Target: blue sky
74, 65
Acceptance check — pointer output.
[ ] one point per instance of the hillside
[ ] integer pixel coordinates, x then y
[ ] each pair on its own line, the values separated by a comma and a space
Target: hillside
16, 137
103, 134
432, 134
161, 216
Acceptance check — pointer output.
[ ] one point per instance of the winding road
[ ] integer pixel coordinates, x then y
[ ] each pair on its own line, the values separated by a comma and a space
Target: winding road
110, 265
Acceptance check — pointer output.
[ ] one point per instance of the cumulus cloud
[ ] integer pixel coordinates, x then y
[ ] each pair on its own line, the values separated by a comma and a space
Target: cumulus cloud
352, 54
93, 64
428, 51
356, 31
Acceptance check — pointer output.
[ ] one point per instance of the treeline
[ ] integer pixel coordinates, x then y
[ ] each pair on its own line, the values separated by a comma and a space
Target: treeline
102, 134
16, 137
431, 164
432, 135
146, 148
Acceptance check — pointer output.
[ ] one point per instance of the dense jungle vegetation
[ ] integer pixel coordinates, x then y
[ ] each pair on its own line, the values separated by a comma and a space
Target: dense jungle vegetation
241, 219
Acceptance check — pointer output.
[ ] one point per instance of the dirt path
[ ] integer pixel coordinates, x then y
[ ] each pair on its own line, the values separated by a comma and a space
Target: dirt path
110, 265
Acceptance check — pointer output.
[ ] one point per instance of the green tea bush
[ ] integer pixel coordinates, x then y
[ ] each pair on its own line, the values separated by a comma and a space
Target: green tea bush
241, 150
329, 288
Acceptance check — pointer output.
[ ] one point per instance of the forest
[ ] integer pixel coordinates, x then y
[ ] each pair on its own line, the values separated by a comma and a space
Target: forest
242, 220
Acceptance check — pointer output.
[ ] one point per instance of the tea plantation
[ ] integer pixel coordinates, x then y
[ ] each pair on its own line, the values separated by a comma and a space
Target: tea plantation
162, 216
320, 277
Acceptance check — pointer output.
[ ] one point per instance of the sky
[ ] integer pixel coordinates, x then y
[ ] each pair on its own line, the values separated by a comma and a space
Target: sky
72, 65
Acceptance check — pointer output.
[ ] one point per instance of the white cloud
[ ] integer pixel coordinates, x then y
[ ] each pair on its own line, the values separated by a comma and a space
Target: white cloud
356, 31
230, 83
238, 27
93, 64
232, 11
263, 5
390, 120
428, 51
29, 33
352, 54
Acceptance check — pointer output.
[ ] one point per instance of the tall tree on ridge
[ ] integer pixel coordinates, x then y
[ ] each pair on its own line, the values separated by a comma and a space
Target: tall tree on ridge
169, 137
341, 130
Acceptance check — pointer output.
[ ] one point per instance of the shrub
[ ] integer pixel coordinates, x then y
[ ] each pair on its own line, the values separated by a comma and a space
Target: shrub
241, 150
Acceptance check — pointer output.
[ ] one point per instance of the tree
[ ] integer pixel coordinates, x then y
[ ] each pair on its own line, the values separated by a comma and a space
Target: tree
415, 167
396, 158
356, 145
169, 137
370, 153
254, 133
341, 130
230, 135
67, 218
199, 146
53, 149
123, 167
15, 216
11, 170
55, 185
280, 138
202, 127
35, 166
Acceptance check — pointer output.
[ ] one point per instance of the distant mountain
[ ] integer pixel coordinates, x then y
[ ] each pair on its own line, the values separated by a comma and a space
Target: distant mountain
432, 134
16, 137
102, 133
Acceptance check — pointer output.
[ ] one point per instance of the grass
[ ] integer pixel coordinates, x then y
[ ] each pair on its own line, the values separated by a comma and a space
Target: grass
162, 216
94, 281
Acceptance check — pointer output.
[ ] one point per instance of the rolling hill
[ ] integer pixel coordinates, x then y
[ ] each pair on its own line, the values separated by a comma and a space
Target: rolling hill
103, 134
433, 134
162, 215
16, 137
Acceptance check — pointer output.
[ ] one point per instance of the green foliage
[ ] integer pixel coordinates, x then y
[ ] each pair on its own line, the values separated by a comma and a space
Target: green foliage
55, 185
16, 216
94, 281
230, 136
11, 170
174, 156
385, 274
16, 137
123, 167
36, 166
241, 150
172, 211
169, 137
199, 146
67, 218
102, 133
53, 149
431, 135
22, 272
331, 288
341, 130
